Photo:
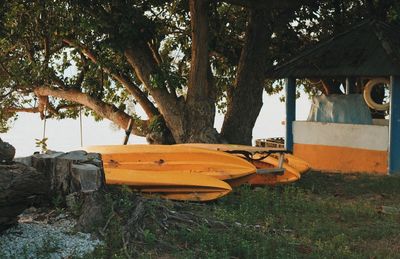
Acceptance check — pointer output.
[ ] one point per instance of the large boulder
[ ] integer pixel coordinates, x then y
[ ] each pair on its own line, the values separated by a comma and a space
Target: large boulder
7, 152
20, 185
75, 179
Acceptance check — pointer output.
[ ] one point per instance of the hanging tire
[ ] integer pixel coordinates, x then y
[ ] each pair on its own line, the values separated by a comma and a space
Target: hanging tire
367, 94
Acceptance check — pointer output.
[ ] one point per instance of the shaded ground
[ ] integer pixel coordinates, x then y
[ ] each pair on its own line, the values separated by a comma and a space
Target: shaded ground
45, 233
321, 216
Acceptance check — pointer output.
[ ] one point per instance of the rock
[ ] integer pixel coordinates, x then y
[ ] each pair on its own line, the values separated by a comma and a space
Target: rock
70, 172
7, 152
27, 160
20, 185
75, 179
86, 178
93, 212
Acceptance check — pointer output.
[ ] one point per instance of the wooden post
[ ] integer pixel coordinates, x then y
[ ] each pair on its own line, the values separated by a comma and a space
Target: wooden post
290, 111
128, 131
394, 126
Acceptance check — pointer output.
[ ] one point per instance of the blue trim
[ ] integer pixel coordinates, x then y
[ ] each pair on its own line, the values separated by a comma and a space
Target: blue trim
290, 111
394, 126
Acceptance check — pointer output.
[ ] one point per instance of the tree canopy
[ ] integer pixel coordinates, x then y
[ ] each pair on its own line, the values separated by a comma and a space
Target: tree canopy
179, 60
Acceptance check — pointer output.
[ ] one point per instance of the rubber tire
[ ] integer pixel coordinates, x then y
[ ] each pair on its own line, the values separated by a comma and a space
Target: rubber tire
367, 94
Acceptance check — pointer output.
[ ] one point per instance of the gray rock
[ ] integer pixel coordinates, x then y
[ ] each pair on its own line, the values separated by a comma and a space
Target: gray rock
7, 152
86, 177
27, 160
93, 212
19, 185
78, 155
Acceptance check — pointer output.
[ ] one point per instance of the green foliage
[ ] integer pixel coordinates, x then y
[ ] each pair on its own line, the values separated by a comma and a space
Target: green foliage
42, 144
33, 49
156, 124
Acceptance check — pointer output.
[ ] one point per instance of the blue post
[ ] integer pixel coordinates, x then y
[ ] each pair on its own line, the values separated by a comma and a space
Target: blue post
394, 126
290, 111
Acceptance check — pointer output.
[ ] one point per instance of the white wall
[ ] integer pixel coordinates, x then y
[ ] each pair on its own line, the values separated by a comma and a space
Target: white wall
371, 137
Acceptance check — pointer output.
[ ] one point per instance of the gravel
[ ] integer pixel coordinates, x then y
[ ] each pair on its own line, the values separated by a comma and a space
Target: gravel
53, 238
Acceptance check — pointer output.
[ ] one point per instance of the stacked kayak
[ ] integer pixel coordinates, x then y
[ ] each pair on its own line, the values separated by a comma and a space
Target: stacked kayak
263, 158
174, 172
174, 186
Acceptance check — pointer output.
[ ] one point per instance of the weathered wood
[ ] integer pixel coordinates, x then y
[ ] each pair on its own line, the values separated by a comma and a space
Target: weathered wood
19, 186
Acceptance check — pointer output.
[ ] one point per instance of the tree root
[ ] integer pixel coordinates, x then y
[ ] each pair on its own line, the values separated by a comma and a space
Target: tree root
144, 222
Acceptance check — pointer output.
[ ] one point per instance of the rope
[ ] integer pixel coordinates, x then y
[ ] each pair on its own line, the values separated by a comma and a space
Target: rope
44, 122
80, 125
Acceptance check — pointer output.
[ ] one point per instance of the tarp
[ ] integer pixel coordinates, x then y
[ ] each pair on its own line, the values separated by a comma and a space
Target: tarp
339, 108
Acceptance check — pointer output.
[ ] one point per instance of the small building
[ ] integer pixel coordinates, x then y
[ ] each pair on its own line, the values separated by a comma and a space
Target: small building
369, 50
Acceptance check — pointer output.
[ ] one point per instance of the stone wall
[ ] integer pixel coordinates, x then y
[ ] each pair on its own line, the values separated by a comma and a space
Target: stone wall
54, 176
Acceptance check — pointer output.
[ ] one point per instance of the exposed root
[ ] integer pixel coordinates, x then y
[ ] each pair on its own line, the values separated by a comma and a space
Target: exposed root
144, 221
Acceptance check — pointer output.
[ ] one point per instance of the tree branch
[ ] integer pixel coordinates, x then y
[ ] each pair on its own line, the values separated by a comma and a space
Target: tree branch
103, 109
22, 109
267, 4
141, 98
4, 70
154, 50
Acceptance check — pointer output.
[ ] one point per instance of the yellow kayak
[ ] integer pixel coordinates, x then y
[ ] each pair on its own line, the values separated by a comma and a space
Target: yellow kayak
293, 166
174, 186
174, 159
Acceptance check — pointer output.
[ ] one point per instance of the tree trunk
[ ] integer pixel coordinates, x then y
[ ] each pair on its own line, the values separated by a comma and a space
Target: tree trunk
245, 98
191, 120
200, 102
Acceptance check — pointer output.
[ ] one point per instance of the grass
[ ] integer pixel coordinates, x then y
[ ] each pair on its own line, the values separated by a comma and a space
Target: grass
320, 216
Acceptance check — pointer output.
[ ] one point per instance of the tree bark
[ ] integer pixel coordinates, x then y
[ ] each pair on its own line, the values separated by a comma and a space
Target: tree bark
245, 98
191, 120
171, 108
200, 102
105, 110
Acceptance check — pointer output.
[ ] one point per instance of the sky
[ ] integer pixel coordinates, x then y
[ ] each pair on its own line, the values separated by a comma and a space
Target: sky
64, 135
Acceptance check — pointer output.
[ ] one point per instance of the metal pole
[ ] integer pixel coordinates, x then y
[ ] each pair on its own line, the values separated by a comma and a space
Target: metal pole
394, 126
290, 111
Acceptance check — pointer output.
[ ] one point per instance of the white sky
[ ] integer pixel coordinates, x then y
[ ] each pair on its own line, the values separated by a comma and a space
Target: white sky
64, 135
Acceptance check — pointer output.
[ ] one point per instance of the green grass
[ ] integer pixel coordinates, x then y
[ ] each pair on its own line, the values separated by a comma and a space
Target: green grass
320, 216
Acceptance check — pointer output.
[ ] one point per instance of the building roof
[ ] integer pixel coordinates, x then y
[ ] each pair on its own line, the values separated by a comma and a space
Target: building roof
370, 49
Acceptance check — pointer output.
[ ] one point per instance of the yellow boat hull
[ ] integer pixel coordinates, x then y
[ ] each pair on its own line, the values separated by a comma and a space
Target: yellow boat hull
174, 186
293, 166
174, 159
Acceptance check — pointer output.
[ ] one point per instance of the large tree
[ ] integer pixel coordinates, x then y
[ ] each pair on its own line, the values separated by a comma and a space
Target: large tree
177, 60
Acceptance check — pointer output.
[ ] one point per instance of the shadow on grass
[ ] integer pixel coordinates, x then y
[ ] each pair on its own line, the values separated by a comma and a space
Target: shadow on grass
350, 185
